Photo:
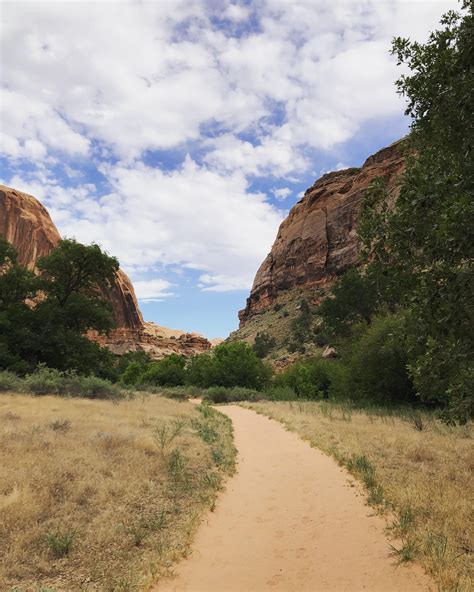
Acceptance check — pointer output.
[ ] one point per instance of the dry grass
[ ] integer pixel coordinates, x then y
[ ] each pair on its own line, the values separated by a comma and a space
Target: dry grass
91, 499
421, 479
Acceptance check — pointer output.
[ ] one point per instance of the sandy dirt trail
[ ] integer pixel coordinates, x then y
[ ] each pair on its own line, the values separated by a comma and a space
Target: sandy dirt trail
289, 521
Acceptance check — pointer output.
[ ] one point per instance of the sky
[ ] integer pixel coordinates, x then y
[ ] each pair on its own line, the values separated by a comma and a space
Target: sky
178, 134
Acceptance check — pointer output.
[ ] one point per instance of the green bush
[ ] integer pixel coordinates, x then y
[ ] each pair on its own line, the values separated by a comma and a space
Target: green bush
309, 379
220, 394
216, 394
132, 374
280, 393
10, 382
201, 371
377, 363
353, 299
49, 381
166, 372
45, 381
230, 364
263, 344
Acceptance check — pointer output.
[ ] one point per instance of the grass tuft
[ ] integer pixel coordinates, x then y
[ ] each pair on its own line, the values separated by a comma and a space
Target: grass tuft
60, 543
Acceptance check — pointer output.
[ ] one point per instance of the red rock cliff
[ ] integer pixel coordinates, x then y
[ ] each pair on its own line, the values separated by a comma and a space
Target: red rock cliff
26, 224
318, 240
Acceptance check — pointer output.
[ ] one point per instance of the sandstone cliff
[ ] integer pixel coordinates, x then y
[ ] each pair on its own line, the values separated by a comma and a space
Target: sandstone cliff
318, 240
27, 225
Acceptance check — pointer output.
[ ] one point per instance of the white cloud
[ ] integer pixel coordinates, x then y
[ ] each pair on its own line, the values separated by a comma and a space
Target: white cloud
101, 84
282, 193
154, 290
236, 12
150, 75
192, 217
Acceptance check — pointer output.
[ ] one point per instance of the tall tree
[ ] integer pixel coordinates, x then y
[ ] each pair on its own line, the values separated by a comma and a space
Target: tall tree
426, 244
67, 303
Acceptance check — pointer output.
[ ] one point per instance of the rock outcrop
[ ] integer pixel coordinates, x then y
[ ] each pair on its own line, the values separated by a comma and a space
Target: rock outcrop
27, 225
318, 240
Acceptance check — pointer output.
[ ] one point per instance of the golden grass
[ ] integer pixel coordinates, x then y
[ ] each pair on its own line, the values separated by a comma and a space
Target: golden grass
423, 480
90, 499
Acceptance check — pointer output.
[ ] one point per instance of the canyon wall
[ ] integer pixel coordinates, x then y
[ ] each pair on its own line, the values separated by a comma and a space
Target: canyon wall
318, 240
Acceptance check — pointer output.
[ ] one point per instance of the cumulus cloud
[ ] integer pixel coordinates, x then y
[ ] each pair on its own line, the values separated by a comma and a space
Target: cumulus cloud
106, 90
192, 217
151, 75
154, 290
282, 192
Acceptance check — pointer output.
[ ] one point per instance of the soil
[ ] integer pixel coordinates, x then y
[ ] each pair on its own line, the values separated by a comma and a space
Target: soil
290, 520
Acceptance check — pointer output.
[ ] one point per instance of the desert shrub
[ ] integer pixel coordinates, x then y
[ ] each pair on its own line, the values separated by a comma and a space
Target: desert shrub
220, 394
9, 382
167, 372
45, 381
277, 306
240, 393
49, 381
301, 326
60, 543
91, 387
216, 394
279, 393
263, 344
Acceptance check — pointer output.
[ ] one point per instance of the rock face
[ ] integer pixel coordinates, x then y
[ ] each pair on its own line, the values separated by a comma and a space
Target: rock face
318, 240
26, 224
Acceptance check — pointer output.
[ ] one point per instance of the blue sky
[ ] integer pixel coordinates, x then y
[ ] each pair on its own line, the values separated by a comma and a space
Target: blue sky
178, 134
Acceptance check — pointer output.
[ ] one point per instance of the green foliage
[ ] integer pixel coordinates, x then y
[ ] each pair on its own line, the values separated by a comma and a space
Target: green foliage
133, 357
132, 374
376, 364
221, 394
236, 364
263, 345
302, 324
353, 299
429, 236
419, 247
60, 543
309, 379
50, 381
280, 393
9, 382
53, 331
167, 372
201, 371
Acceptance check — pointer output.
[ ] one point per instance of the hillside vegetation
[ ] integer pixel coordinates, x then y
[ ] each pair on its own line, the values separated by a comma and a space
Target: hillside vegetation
99, 495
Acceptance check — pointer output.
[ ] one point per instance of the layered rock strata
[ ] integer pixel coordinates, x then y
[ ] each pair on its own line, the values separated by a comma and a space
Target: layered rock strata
318, 240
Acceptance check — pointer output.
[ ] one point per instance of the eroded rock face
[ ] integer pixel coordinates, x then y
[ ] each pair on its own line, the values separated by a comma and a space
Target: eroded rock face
318, 240
27, 225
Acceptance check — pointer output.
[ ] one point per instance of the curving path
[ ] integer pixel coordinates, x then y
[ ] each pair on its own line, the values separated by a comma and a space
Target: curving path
289, 521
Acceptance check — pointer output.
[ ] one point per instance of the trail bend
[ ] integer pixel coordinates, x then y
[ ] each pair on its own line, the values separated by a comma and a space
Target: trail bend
289, 521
